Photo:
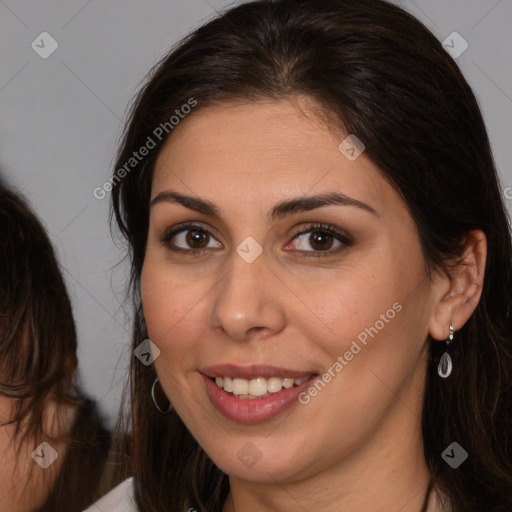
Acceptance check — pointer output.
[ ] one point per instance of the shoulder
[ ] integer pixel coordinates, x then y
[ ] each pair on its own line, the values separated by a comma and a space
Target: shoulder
119, 499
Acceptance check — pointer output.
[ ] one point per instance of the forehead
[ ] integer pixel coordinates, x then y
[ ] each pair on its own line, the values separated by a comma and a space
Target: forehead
235, 153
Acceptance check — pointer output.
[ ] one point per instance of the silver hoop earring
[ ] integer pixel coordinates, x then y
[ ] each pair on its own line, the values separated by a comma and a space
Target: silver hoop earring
445, 366
160, 410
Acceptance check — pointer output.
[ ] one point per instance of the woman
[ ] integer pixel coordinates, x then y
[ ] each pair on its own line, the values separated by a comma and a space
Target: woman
321, 271
49, 433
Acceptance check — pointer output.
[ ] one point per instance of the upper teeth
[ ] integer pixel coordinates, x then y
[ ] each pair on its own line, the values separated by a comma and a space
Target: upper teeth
257, 387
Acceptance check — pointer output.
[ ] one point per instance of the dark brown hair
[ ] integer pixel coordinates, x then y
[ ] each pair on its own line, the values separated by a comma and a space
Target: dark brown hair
38, 360
37, 330
380, 74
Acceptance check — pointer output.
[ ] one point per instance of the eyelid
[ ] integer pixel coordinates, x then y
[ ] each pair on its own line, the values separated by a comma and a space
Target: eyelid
341, 235
180, 228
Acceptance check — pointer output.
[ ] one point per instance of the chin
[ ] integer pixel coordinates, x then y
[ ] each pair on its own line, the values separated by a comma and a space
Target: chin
248, 462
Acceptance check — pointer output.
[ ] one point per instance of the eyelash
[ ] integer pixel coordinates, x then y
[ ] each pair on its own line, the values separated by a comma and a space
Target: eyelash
339, 235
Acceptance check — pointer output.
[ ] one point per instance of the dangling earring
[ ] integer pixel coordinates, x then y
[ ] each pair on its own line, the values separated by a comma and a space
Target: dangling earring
445, 366
169, 408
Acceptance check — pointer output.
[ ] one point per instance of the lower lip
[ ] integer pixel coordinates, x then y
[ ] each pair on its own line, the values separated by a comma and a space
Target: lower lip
259, 409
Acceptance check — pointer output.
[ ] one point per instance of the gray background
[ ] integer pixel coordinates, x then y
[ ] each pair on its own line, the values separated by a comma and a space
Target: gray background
60, 119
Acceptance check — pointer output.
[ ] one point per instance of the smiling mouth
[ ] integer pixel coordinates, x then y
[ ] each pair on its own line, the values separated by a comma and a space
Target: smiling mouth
260, 387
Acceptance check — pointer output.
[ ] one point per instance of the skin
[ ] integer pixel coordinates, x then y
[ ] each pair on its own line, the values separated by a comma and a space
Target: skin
25, 486
357, 445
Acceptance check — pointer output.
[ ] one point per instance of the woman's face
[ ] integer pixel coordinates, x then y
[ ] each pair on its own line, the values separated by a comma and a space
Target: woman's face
261, 285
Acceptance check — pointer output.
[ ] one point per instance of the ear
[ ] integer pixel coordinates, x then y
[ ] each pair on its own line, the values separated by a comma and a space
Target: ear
460, 292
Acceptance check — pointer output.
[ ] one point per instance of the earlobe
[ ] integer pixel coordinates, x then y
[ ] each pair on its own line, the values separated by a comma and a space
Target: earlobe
466, 282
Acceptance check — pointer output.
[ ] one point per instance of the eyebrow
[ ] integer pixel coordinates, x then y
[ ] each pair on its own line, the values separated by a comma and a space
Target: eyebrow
280, 210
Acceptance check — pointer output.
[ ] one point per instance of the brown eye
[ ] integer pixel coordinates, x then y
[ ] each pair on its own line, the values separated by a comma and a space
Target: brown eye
321, 238
196, 236
188, 239
194, 240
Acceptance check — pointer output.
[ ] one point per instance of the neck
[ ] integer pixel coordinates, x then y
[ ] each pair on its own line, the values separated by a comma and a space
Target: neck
386, 472
371, 493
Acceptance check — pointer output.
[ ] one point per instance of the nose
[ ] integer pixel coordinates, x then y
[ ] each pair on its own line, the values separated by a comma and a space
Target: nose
249, 300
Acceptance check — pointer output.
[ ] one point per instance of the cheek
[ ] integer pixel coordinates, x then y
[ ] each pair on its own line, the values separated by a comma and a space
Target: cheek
173, 310
165, 297
156, 301
350, 307
371, 318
